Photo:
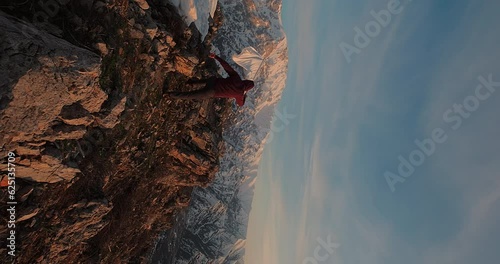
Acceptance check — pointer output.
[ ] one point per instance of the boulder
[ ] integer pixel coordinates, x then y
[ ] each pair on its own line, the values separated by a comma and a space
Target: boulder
49, 91
142, 4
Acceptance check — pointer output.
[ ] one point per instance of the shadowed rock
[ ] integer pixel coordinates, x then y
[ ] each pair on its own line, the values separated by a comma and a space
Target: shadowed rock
50, 91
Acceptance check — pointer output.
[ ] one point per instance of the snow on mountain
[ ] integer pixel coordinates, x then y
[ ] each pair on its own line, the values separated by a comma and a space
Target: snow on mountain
217, 218
197, 11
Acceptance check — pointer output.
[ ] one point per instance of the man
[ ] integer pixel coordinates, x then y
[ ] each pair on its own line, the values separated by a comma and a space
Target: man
230, 87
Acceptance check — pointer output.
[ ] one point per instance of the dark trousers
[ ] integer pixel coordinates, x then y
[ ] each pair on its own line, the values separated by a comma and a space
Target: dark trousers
204, 93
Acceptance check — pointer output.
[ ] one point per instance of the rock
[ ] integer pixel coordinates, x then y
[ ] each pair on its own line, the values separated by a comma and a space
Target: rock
28, 216
48, 169
80, 204
151, 28
136, 34
43, 74
103, 49
53, 87
163, 54
200, 142
143, 4
161, 48
203, 112
113, 118
146, 58
25, 162
183, 201
152, 32
193, 59
90, 99
25, 151
188, 33
82, 224
170, 41
94, 203
35, 144
169, 67
24, 193
184, 65
131, 22
82, 121
139, 26
76, 115
4, 182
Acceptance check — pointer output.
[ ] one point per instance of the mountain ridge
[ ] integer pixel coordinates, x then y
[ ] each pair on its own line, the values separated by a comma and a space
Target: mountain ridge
217, 217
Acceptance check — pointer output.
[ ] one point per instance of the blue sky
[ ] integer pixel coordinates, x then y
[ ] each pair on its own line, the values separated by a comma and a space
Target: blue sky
323, 176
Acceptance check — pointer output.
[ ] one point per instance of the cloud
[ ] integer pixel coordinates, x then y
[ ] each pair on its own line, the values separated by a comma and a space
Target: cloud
464, 169
334, 102
305, 15
472, 50
323, 208
318, 202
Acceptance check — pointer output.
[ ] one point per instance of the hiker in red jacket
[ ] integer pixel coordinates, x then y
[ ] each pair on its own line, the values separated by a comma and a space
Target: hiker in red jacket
230, 87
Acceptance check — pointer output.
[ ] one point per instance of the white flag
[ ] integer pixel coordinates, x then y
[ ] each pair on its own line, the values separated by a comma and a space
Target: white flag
250, 60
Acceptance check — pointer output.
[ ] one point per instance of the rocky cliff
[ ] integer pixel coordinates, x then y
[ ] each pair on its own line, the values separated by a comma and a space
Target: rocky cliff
214, 228
103, 162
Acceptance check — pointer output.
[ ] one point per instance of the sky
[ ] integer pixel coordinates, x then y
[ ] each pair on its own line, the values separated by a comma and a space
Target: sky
393, 154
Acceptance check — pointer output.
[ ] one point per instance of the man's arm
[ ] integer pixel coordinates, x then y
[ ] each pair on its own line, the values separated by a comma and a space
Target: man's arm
226, 66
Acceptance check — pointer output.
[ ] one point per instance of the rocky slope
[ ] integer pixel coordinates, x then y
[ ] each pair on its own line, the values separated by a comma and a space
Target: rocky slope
214, 228
103, 162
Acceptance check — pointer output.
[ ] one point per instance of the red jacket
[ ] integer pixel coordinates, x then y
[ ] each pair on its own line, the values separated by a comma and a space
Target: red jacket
232, 86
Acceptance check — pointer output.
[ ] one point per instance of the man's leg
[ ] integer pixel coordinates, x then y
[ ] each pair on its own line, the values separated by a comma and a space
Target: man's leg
201, 81
205, 93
